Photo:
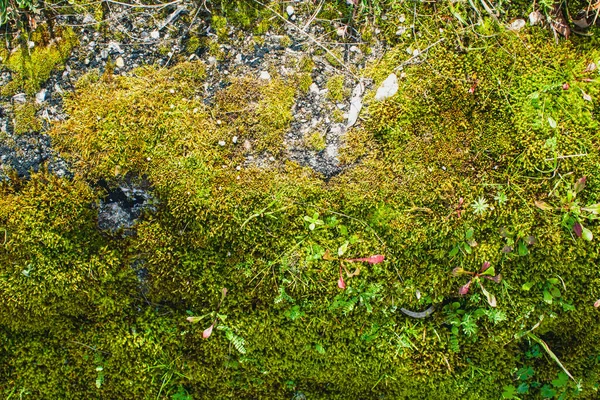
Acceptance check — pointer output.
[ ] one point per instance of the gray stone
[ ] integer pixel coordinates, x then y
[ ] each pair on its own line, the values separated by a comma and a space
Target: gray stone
40, 96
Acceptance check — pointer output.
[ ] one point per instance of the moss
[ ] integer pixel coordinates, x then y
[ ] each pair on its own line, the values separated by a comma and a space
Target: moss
335, 88
193, 44
306, 64
31, 68
219, 25
304, 82
316, 141
469, 123
286, 41
25, 118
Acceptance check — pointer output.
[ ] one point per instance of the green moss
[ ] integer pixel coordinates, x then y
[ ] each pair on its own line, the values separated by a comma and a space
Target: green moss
30, 68
25, 119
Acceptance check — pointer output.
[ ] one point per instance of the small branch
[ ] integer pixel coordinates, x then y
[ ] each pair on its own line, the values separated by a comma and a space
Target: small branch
144, 6
315, 41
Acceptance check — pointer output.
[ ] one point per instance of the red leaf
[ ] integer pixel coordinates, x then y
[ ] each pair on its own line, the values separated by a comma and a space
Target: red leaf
597, 303
464, 289
341, 283
578, 229
371, 260
485, 266
565, 86
207, 332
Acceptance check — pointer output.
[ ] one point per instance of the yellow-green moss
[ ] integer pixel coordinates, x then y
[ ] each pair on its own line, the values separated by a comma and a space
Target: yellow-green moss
30, 68
335, 88
316, 141
25, 119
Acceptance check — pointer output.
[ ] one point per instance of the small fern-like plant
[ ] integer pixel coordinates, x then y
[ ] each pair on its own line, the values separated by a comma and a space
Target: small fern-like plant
238, 342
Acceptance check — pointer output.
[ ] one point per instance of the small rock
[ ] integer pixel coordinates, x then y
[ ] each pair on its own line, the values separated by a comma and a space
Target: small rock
238, 58
355, 104
221, 143
271, 158
517, 25
402, 18
114, 47
89, 20
289, 10
19, 98
119, 62
30, 44
416, 52
234, 139
314, 88
247, 146
264, 75
355, 49
155, 34
388, 88
40, 96
212, 60
535, 18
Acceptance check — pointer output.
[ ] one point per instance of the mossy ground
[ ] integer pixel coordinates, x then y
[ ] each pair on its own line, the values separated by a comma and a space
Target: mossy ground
486, 115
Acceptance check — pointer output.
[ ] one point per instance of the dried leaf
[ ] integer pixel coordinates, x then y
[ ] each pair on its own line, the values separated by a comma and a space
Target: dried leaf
580, 184
207, 332
586, 96
194, 320
542, 205
416, 314
592, 208
491, 299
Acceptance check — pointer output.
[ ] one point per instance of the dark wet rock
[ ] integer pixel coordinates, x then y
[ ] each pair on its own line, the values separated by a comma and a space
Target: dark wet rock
122, 207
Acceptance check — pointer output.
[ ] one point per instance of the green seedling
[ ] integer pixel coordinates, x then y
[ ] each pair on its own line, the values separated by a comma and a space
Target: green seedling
487, 272
465, 246
574, 213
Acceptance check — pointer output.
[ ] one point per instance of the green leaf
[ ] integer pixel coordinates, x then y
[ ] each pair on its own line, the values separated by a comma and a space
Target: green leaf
509, 392
469, 233
561, 381
491, 271
527, 285
523, 388
342, 249
552, 122
554, 291
454, 251
522, 249
547, 392
467, 249
586, 234
547, 297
